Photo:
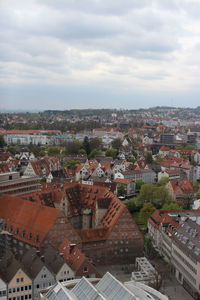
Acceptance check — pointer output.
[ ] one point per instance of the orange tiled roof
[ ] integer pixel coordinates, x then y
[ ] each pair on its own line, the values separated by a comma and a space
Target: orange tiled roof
28, 217
72, 255
184, 185
4, 156
165, 148
122, 181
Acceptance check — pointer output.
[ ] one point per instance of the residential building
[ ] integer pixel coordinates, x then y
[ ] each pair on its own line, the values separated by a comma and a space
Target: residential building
181, 191
18, 283
13, 183
167, 138
186, 255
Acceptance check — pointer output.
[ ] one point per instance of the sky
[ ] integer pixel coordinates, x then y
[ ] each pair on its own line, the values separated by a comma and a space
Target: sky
64, 54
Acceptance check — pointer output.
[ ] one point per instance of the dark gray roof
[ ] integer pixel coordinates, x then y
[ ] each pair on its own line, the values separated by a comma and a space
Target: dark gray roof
32, 263
187, 237
9, 267
52, 259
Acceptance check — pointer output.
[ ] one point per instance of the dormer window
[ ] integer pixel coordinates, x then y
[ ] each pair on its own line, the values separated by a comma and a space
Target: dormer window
36, 238
23, 233
29, 236
16, 230
10, 229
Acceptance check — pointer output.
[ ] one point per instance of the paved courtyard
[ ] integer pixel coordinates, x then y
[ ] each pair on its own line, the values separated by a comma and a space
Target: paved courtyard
170, 288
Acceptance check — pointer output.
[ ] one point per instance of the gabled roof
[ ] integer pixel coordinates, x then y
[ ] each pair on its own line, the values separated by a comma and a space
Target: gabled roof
31, 263
9, 266
53, 260
165, 148
71, 254
29, 221
4, 156
184, 185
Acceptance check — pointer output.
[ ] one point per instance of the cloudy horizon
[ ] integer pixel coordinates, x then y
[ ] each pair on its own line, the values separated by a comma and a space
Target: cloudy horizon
69, 54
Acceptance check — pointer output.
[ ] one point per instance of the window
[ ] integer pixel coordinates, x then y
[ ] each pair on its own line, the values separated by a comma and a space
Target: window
37, 286
29, 287
10, 228
85, 269
2, 293
10, 291
23, 233
18, 289
22, 288
26, 288
36, 238
22, 279
29, 236
17, 280
29, 296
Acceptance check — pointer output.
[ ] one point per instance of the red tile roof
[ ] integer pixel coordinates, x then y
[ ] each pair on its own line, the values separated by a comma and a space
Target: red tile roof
28, 217
184, 185
72, 255
122, 181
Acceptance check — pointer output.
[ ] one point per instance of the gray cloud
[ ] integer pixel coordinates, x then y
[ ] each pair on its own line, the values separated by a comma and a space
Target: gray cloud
134, 43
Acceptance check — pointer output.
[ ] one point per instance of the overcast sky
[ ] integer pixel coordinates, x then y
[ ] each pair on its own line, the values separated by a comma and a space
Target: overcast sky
63, 54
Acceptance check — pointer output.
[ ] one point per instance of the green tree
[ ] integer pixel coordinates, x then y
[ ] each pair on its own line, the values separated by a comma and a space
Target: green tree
116, 144
72, 147
121, 191
146, 211
111, 152
12, 149
131, 205
93, 153
172, 206
2, 141
132, 159
198, 194
148, 157
86, 145
196, 186
72, 163
161, 196
53, 151
95, 143
146, 194
81, 151
156, 195
42, 153
139, 184
163, 181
